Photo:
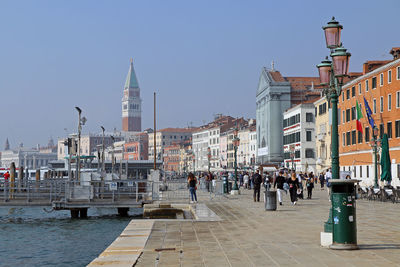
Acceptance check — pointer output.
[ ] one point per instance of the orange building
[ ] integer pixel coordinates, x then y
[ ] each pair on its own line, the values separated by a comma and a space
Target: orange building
380, 85
137, 147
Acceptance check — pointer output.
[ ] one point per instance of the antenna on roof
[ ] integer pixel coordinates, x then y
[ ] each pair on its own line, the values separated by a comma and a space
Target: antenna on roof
272, 66
312, 86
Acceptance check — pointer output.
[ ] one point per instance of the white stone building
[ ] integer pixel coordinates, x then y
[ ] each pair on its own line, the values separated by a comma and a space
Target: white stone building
299, 133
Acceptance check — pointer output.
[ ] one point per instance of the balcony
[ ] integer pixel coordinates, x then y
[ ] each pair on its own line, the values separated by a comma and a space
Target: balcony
321, 137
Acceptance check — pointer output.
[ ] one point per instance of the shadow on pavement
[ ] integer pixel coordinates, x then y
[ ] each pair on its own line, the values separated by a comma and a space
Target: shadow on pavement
380, 246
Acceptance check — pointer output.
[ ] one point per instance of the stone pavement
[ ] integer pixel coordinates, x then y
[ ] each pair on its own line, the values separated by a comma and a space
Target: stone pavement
250, 236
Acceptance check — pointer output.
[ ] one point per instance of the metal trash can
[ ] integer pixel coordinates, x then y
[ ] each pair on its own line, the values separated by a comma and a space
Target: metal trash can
270, 200
344, 214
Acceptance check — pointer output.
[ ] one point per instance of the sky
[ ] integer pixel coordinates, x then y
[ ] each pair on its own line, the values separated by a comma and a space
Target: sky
200, 57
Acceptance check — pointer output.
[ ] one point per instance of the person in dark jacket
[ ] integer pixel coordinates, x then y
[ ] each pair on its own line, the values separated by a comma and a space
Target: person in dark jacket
279, 181
293, 186
192, 181
257, 181
310, 185
322, 180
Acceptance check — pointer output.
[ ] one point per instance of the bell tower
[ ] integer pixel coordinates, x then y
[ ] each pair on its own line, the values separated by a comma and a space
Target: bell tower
131, 103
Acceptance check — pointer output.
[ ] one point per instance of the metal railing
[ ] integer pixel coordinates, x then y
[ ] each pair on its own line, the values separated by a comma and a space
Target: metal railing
48, 191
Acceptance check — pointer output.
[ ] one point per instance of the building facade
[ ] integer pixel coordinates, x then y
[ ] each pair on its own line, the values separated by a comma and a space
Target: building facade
137, 147
131, 103
166, 137
380, 86
323, 137
276, 94
299, 137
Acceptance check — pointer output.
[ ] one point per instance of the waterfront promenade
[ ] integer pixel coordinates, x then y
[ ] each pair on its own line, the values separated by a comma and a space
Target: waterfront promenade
248, 235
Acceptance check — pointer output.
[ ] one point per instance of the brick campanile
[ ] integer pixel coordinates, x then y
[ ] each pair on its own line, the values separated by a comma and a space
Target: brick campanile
131, 103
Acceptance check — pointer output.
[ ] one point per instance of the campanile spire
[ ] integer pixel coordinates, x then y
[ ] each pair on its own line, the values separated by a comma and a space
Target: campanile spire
131, 103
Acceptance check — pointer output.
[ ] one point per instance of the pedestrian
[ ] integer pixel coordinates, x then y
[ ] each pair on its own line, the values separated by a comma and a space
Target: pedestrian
300, 189
293, 186
328, 177
322, 180
279, 181
240, 179
6, 176
310, 185
192, 181
257, 181
246, 180
208, 180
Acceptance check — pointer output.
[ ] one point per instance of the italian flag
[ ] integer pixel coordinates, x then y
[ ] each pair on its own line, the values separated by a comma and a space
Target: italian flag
359, 116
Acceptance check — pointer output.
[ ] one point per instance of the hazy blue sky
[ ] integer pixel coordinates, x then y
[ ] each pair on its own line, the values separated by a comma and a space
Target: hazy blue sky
201, 57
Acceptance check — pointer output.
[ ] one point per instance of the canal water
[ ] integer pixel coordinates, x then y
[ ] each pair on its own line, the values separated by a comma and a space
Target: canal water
36, 237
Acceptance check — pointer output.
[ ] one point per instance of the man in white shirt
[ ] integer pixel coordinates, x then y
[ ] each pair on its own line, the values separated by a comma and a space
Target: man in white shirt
328, 177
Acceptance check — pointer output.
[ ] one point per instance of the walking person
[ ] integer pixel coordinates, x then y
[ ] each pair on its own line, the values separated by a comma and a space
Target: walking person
293, 186
192, 181
246, 180
328, 177
322, 180
257, 181
310, 185
279, 181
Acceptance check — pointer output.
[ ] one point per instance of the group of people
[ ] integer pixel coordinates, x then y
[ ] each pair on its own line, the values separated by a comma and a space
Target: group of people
283, 180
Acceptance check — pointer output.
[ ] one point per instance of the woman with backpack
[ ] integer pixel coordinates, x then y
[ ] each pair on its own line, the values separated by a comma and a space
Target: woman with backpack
192, 181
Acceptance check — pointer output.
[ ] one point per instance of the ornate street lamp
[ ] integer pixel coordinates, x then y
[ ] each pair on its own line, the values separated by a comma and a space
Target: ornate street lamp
236, 143
332, 74
193, 159
375, 143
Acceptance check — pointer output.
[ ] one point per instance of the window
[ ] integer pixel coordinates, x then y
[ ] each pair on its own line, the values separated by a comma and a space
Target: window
344, 117
389, 76
374, 106
366, 86
353, 113
347, 115
348, 138
398, 99
343, 139
309, 117
381, 130
360, 137
398, 73
366, 134
308, 136
353, 137
367, 171
315, 112
348, 94
397, 129
381, 104
359, 88
373, 82
381, 79
353, 91
360, 171
355, 171
389, 129
389, 102
309, 153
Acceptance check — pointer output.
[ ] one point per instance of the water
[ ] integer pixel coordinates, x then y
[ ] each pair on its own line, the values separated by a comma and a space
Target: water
34, 237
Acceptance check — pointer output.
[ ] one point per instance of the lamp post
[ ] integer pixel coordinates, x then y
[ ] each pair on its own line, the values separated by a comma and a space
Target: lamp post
236, 142
375, 143
209, 158
112, 156
81, 121
332, 74
102, 150
194, 162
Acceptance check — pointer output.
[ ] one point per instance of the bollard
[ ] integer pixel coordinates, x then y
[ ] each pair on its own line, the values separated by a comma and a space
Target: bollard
20, 177
37, 178
12, 179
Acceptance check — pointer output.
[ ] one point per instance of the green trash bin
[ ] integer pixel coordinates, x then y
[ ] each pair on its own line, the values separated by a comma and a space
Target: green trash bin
344, 214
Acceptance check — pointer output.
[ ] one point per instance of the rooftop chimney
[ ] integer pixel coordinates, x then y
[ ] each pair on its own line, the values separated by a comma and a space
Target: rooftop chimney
395, 52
